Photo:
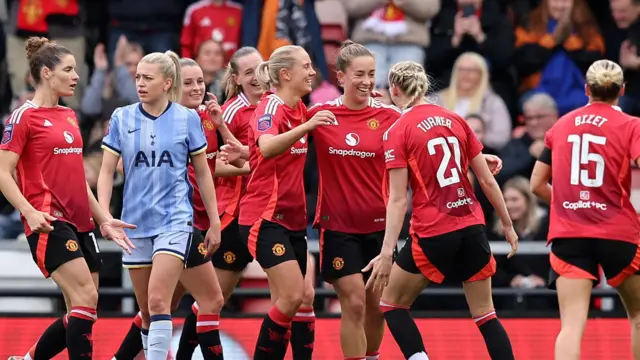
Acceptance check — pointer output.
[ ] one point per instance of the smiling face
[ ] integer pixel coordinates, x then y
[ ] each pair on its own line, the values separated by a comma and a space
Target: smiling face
359, 78
193, 87
246, 77
301, 75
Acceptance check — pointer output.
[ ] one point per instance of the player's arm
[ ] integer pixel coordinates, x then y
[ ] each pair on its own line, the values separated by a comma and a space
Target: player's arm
105, 178
224, 170
490, 187
206, 187
273, 144
8, 186
539, 182
100, 215
396, 209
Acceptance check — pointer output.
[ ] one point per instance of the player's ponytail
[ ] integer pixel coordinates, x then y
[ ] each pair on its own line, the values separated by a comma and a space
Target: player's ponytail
268, 72
411, 78
174, 73
231, 88
605, 80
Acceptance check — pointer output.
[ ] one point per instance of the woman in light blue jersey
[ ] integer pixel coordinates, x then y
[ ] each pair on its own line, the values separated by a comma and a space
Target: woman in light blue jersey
157, 138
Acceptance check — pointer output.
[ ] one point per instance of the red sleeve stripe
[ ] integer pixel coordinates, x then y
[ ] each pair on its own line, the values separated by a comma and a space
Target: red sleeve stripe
231, 110
16, 115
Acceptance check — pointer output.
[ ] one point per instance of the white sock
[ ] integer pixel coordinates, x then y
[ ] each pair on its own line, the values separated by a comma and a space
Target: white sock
419, 356
27, 357
160, 334
144, 333
373, 357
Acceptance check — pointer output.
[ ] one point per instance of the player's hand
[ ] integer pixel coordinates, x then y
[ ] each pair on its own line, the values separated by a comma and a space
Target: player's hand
114, 230
512, 239
214, 110
494, 163
212, 239
39, 221
376, 94
232, 151
322, 118
381, 268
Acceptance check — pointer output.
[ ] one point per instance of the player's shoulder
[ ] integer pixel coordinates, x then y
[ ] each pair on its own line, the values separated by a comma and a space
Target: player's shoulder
269, 104
21, 114
235, 107
233, 5
327, 105
391, 109
193, 8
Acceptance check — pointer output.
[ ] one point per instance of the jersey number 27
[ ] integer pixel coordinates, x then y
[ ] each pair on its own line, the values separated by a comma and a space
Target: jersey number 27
580, 155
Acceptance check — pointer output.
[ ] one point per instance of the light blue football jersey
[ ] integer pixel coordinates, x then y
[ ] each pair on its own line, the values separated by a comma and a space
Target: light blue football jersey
155, 152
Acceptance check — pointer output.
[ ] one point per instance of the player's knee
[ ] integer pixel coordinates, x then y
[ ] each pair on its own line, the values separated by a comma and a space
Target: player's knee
158, 304
354, 306
291, 300
309, 294
85, 295
212, 304
146, 317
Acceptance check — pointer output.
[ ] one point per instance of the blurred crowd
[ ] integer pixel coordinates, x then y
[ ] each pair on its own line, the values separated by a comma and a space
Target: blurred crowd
510, 67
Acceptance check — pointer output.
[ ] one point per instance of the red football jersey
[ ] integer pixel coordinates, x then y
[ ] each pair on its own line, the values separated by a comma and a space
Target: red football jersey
236, 113
50, 171
591, 149
352, 182
200, 217
275, 191
206, 21
436, 146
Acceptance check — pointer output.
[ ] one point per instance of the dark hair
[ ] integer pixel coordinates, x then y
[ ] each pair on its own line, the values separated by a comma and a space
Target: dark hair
476, 116
350, 50
230, 87
42, 52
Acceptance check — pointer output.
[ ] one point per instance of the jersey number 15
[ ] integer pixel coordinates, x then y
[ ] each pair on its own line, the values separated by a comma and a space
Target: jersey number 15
580, 155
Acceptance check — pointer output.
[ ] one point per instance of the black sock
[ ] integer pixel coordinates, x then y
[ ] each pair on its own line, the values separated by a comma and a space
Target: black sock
303, 334
52, 342
80, 333
132, 343
272, 339
495, 337
404, 330
209, 336
189, 337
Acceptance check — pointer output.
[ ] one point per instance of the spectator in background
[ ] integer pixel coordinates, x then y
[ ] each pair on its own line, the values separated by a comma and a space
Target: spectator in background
555, 46
60, 21
519, 155
109, 90
154, 24
478, 125
217, 20
394, 30
210, 58
622, 41
469, 92
477, 26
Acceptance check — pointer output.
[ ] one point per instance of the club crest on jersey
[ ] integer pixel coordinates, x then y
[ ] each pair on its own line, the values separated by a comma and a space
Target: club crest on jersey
208, 125
72, 121
584, 195
265, 122
231, 21
373, 124
7, 135
202, 249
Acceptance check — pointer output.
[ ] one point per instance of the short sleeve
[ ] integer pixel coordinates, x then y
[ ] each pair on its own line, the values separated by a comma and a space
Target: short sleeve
265, 124
395, 155
197, 140
15, 134
548, 139
111, 140
634, 139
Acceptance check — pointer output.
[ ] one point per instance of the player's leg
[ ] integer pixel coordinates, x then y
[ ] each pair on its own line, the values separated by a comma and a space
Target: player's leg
574, 271
476, 268
231, 258
374, 318
139, 265
169, 255
620, 261
405, 283
341, 265
202, 283
303, 325
271, 247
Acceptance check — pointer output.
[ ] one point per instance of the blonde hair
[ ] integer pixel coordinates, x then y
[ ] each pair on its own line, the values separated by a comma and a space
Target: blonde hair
411, 78
170, 68
450, 95
605, 79
530, 219
268, 72
231, 88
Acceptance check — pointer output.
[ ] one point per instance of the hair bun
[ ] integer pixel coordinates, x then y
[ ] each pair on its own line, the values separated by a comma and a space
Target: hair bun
346, 43
33, 44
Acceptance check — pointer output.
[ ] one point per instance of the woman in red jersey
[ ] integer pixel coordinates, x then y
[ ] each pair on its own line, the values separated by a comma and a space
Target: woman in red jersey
272, 213
593, 224
431, 149
42, 147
